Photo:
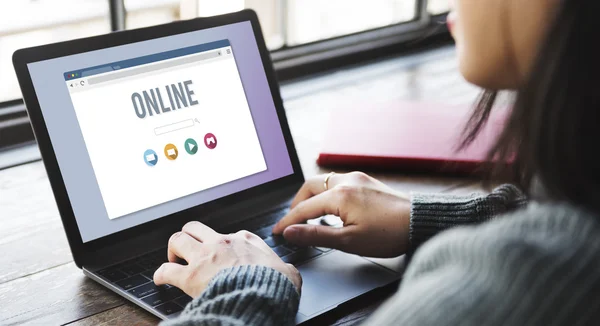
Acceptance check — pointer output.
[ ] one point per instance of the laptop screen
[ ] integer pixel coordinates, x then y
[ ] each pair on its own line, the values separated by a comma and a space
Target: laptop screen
147, 129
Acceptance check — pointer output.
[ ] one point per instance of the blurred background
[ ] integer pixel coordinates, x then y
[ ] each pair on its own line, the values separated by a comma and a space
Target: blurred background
306, 39
286, 24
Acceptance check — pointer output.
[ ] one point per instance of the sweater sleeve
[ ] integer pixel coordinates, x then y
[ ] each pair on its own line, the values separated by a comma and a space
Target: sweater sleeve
432, 213
243, 295
536, 266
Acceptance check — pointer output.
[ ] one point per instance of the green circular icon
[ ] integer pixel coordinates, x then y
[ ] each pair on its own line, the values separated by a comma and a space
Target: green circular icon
191, 146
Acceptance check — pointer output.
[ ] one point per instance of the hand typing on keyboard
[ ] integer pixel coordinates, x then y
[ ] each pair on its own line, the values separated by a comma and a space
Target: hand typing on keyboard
207, 252
375, 217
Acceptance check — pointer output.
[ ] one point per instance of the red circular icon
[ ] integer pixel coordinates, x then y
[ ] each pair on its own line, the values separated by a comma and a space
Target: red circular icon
210, 141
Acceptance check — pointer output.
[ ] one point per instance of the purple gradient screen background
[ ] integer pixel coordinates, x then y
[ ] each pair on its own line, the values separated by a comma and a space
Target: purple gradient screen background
69, 146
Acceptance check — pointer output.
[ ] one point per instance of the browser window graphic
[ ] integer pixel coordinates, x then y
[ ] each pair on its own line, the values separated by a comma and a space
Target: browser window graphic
166, 125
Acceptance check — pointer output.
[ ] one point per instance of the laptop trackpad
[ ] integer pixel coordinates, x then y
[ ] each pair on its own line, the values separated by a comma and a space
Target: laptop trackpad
336, 278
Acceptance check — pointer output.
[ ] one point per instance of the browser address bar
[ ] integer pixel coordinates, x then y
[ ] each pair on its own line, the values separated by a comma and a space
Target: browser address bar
153, 67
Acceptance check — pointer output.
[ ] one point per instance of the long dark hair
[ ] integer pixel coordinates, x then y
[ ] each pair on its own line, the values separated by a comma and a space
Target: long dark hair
553, 131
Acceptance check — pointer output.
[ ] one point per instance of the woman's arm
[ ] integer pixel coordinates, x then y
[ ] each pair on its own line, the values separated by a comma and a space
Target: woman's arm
236, 278
255, 295
380, 221
243, 295
432, 213
538, 266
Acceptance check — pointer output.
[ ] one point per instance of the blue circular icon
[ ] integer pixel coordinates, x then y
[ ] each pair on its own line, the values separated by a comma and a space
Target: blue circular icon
150, 157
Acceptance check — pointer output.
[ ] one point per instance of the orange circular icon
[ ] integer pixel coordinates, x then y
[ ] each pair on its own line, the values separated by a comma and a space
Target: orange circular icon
171, 152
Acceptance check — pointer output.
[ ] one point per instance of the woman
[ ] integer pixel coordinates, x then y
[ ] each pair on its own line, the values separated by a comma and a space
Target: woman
537, 264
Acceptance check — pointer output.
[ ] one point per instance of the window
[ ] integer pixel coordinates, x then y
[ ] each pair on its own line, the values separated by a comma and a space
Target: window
305, 32
300, 33
315, 20
142, 13
287, 22
437, 7
25, 23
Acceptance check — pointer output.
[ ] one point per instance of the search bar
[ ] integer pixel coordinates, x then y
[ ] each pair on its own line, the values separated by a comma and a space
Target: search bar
154, 67
173, 127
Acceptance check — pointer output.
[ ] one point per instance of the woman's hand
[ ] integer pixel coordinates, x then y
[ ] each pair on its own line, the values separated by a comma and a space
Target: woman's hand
207, 252
376, 218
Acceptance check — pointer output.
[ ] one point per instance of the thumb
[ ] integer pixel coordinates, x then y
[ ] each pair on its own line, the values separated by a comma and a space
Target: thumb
316, 235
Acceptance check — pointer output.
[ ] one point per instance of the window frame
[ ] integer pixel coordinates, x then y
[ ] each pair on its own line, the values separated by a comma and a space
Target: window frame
14, 125
289, 62
345, 42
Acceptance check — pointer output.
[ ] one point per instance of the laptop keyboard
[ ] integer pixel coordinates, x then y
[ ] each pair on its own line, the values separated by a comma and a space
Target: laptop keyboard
135, 276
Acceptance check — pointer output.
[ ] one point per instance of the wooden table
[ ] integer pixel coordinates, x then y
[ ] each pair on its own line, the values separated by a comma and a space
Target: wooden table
39, 283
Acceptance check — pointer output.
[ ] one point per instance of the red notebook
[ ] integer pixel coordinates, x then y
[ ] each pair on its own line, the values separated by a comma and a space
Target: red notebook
405, 136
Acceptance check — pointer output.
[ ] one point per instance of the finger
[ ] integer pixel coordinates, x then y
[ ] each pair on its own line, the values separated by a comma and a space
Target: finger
170, 273
307, 190
200, 232
319, 205
318, 235
315, 186
182, 245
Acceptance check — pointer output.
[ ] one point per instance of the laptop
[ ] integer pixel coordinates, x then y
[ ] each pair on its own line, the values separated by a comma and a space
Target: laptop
144, 130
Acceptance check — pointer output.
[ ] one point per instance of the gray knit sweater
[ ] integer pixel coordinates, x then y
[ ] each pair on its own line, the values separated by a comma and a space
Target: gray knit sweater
538, 265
